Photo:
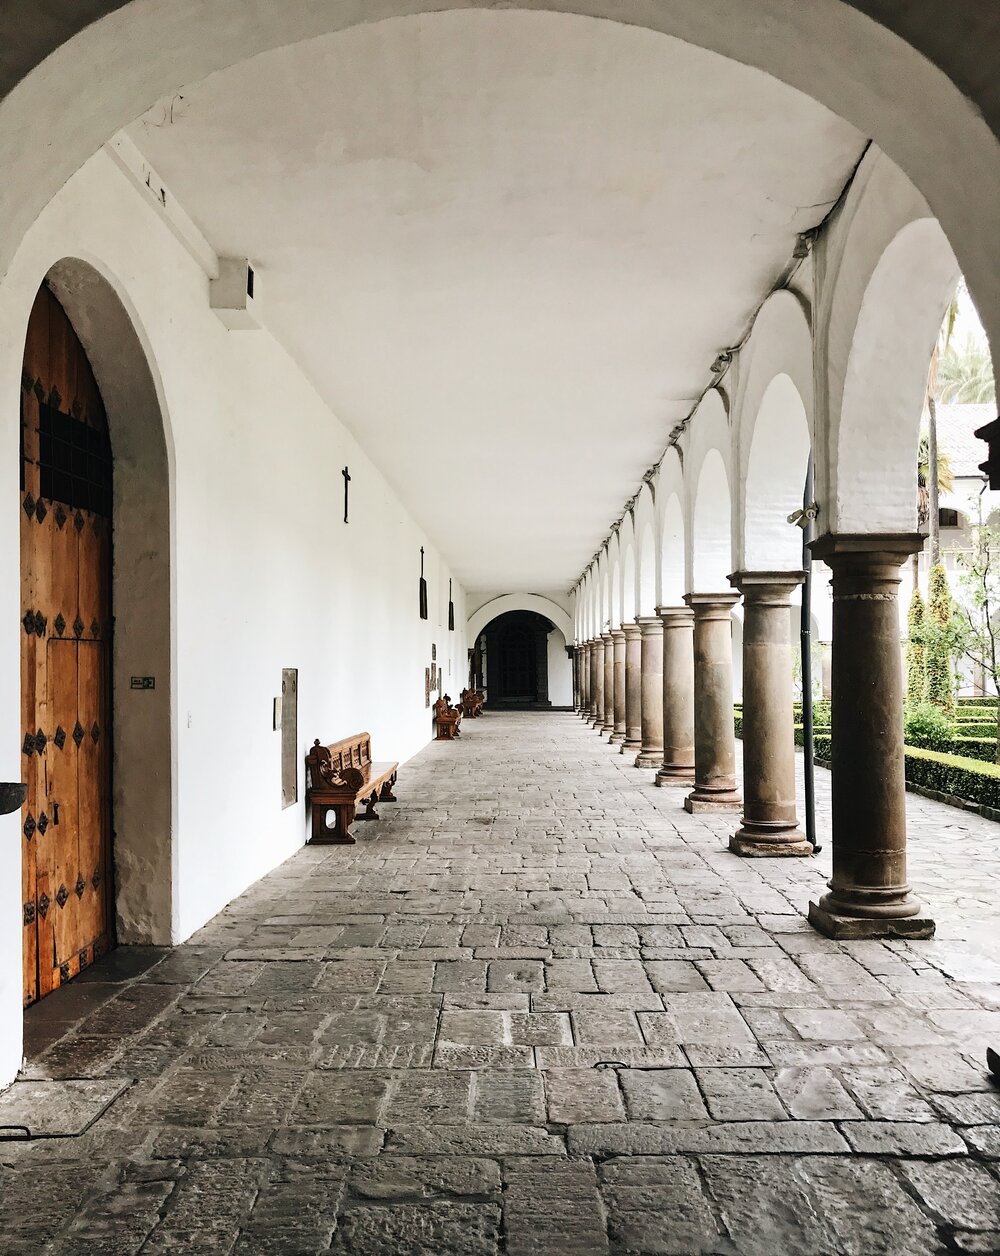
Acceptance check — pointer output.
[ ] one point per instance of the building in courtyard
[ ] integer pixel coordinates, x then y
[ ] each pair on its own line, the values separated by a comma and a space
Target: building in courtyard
361, 363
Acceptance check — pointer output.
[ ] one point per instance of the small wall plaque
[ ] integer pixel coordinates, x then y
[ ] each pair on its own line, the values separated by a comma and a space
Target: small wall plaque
289, 736
143, 682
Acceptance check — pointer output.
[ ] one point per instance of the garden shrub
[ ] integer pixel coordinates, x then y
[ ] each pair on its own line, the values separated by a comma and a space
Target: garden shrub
928, 726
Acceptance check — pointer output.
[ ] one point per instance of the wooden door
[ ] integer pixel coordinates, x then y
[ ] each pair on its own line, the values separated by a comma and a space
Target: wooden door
517, 663
65, 655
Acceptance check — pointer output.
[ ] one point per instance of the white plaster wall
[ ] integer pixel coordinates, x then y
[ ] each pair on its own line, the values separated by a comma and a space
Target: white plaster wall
560, 671
266, 575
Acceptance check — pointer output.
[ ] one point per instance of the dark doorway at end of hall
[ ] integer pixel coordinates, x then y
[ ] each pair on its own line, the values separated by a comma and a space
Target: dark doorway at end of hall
517, 662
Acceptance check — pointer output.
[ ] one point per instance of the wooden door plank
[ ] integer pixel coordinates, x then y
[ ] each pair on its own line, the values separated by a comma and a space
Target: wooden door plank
61, 843
94, 804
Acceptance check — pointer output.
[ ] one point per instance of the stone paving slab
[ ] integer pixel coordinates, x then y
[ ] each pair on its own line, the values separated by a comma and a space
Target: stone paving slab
538, 1008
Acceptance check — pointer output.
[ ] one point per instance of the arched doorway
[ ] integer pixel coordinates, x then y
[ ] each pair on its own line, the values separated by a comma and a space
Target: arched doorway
517, 673
66, 659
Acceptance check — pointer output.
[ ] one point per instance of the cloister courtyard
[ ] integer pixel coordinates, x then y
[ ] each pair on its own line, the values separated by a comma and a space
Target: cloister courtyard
538, 1008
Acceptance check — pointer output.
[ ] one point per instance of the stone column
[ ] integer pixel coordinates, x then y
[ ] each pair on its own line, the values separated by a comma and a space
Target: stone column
770, 824
608, 726
869, 895
651, 665
596, 683
574, 659
678, 696
714, 738
584, 680
633, 688
618, 736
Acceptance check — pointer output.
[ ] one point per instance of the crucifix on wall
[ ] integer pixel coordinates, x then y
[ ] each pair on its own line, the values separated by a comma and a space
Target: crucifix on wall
347, 482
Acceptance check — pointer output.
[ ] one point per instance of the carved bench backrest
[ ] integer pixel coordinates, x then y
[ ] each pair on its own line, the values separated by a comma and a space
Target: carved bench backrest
334, 760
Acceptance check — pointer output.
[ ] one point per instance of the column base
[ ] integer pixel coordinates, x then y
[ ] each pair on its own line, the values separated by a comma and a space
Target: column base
855, 928
649, 758
784, 843
722, 800
675, 774
605, 730
631, 746
616, 739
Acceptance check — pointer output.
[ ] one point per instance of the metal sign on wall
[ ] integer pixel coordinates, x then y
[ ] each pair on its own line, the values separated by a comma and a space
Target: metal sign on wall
289, 736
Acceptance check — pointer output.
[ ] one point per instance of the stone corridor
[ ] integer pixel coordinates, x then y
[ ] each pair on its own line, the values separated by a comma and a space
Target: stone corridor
537, 1009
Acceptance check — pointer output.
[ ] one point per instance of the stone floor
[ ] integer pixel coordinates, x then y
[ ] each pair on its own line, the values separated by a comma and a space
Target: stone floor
537, 1009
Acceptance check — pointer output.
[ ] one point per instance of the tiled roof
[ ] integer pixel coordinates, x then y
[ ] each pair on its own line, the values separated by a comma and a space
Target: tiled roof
955, 425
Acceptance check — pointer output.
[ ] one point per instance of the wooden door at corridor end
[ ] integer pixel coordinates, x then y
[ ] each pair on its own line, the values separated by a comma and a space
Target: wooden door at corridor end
65, 513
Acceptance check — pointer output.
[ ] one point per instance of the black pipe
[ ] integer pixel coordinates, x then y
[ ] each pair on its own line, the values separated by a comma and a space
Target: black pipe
805, 638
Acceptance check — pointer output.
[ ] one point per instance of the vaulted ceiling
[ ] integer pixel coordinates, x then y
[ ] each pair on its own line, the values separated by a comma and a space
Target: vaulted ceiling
505, 247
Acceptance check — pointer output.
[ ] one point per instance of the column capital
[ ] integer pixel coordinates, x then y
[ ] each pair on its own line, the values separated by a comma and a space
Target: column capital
711, 605
618, 635
765, 588
607, 638
650, 625
632, 632
675, 616
864, 547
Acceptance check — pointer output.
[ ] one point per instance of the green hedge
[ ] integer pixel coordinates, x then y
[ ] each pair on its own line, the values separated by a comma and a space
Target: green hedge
982, 748
955, 775
971, 775
988, 703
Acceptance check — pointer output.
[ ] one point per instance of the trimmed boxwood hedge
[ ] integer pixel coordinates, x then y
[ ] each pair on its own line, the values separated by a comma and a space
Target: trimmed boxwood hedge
955, 775
972, 775
982, 748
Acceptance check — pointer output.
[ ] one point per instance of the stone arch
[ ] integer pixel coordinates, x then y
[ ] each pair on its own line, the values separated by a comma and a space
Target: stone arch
647, 570
907, 87
604, 608
670, 526
711, 536
628, 585
647, 576
616, 595
144, 744
708, 504
894, 273
519, 602
774, 480
773, 425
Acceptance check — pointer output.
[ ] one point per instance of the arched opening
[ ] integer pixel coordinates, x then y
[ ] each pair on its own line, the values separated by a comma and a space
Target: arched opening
885, 383
779, 453
711, 540
628, 600
515, 651
95, 552
67, 875
616, 596
672, 553
647, 572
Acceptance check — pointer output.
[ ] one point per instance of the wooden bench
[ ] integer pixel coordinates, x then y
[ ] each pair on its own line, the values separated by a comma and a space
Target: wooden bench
341, 776
472, 703
447, 718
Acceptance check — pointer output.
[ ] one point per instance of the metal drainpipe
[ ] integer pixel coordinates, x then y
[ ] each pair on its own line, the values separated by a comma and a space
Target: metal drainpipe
805, 637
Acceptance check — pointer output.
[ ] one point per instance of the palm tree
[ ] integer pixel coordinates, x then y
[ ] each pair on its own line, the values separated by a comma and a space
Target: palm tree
940, 347
945, 476
965, 376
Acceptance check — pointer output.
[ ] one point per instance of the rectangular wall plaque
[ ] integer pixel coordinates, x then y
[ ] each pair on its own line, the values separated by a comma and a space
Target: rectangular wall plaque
143, 682
289, 736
